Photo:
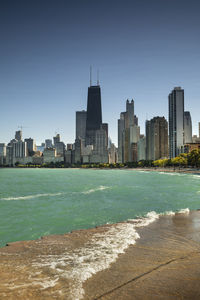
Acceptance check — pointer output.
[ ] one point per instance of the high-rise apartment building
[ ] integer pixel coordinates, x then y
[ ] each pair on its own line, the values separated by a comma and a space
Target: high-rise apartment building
121, 129
156, 138
31, 146
56, 139
58, 145
81, 117
176, 121
141, 148
48, 143
2, 153
187, 128
20, 149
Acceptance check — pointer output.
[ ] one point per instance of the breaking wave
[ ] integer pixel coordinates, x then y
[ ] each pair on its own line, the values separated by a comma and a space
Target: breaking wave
31, 196
96, 255
184, 211
100, 188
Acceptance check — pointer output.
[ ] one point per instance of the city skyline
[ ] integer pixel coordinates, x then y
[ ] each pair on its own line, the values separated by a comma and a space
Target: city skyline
82, 110
143, 50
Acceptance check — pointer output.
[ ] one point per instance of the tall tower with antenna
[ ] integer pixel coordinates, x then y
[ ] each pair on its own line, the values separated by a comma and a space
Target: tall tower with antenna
98, 77
94, 111
90, 75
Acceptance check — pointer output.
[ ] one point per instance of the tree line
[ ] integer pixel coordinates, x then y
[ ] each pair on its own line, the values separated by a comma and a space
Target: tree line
184, 160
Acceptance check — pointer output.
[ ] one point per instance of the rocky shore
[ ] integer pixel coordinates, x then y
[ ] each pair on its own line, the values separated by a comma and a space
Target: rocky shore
158, 261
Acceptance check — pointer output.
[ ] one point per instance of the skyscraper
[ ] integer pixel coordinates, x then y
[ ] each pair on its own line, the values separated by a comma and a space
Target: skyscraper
156, 138
20, 149
121, 127
31, 147
187, 128
2, 153
56, 139
128, 134
81, 117
91, 145
94, 113
176, 121
18, 135
48, 143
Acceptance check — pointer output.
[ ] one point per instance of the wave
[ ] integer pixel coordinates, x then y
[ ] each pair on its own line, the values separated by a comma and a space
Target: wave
184, 211
173, 174
100, 188
96, 255
195, 176
31, 196
152, 216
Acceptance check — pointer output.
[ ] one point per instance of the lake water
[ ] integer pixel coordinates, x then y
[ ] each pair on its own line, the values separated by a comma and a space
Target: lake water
38, 202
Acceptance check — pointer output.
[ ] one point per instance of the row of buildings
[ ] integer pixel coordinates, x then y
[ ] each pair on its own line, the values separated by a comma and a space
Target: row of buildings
162, 138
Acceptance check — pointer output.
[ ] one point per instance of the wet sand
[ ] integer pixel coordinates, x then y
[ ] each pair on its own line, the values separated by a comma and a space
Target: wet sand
164, 263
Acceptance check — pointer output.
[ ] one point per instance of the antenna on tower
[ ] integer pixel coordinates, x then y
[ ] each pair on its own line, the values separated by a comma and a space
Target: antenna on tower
90, 75
97, 77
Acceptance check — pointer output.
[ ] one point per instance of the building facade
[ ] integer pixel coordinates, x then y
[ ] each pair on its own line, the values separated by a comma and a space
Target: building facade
187, 128
128, 134
156, 138
2, 153
81, 117
94, 114
176, 121
31, 146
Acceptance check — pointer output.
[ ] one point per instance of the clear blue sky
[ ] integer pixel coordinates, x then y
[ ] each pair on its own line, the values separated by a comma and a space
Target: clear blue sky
142, 48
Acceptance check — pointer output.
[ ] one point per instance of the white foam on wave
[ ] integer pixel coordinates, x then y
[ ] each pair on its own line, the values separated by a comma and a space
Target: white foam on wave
172, 213
31, 196
195, 176
168, 213
152, 216
96, 255
184, 211
172, 174
100, 188
145, 221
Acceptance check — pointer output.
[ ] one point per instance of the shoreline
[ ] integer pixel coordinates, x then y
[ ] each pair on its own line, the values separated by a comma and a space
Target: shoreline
170, 170
146, 169
41, 268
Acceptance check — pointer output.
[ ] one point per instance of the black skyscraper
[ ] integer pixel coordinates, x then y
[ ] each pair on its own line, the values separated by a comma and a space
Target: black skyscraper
94, 114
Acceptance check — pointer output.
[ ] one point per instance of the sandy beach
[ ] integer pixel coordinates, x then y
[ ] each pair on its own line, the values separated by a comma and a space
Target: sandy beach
164, 263
170, 170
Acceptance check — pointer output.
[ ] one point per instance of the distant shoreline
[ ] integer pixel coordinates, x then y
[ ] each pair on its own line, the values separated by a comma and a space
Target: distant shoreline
146, 169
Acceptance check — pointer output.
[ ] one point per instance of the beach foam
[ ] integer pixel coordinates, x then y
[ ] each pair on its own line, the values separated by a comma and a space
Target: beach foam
31, 196
96, 255
196, 176
184, 211
79, 264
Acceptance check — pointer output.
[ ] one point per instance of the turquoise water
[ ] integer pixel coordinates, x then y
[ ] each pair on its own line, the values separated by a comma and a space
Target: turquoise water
37, 202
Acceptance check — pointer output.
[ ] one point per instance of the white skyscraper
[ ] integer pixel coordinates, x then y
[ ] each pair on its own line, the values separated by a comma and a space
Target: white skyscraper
176, 121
